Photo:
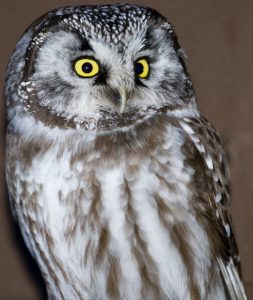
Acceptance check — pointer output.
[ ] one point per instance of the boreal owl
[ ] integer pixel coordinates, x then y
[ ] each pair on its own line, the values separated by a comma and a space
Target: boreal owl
120, 187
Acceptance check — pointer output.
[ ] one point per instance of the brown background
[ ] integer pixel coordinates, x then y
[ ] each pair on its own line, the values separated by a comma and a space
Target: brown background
218, 37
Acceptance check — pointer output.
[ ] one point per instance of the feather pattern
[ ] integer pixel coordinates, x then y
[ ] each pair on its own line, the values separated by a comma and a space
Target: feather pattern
232, 280
201, 131
131, 205
134, 226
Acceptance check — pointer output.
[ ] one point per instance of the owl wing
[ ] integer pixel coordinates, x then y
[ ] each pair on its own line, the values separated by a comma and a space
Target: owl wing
214, 189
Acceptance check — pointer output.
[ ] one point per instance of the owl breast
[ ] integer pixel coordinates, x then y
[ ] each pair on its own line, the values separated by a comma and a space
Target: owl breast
106, 221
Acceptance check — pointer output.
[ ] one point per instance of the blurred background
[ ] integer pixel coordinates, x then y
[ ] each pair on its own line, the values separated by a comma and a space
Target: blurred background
217, 35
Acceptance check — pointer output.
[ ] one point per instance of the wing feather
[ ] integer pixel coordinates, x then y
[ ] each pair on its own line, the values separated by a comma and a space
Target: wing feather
232, 280
208, 144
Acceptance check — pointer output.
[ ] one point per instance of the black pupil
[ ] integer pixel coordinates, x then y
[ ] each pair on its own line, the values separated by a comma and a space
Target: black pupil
87, 67
138, 68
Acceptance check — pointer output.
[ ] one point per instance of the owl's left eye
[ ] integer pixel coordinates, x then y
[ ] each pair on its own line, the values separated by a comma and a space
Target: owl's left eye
86, 67
141, 68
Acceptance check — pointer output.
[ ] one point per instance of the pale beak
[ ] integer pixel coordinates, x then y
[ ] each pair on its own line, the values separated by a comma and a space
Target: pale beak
122, 103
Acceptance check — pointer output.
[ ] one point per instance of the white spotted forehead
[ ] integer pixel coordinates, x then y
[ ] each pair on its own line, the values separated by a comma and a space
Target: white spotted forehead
123, 11
111, 23
111, 30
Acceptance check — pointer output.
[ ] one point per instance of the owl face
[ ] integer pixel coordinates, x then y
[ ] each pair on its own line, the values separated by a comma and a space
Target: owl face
112, 59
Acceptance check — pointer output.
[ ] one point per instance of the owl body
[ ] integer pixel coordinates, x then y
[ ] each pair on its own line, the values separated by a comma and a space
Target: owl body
118, 224
119, 185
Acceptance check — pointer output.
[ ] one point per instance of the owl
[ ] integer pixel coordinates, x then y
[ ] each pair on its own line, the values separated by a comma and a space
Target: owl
119, 185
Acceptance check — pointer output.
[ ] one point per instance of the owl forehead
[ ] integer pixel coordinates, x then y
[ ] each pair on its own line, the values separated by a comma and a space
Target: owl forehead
111, 19
112, 24
114, 30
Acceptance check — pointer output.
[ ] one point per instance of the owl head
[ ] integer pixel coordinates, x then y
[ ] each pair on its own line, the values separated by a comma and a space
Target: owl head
111, 62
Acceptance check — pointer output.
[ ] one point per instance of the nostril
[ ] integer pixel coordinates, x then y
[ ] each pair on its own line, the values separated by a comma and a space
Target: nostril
116, 95
113, 95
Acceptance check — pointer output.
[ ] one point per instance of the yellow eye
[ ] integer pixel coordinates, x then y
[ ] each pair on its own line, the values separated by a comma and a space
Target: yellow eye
141, 68
86, 67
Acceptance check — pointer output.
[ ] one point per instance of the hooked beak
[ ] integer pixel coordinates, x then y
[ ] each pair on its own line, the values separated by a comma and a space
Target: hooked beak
122, 101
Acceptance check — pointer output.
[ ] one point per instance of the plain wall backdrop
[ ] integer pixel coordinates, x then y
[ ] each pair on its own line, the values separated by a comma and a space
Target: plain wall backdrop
217, 35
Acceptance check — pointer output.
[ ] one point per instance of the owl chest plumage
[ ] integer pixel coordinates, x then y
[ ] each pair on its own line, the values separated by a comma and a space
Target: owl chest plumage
110, 222
119, 185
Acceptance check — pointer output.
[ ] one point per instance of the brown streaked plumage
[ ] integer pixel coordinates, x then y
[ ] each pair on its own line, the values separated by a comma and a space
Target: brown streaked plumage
119, 185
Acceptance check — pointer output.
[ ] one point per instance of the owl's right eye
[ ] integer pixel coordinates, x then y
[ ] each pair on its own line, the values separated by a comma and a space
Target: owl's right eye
86, 67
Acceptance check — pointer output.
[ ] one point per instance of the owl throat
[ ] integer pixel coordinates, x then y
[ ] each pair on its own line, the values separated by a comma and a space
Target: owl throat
101, 120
